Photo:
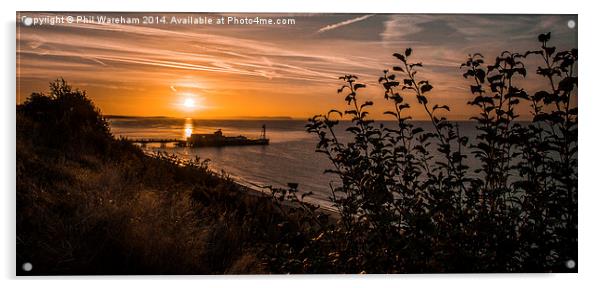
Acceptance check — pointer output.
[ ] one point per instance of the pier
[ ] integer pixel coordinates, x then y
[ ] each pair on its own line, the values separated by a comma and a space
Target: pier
216, 139
163, 142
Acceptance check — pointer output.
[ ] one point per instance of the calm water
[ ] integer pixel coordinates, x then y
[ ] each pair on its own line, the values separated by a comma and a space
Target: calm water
290, 157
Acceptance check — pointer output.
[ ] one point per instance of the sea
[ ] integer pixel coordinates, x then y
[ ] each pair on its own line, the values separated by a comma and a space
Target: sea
289, 158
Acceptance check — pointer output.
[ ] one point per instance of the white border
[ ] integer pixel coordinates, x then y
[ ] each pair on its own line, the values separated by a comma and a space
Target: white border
314, 6
590, 139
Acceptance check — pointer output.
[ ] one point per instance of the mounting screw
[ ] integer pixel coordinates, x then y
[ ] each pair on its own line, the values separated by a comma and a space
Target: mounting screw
27, 266
571, 24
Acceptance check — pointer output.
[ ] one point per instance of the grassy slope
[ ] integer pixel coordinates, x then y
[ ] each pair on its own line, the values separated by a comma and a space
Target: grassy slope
120, 212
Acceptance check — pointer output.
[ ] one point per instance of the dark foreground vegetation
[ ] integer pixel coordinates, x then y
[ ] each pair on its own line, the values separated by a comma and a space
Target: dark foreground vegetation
88, 203
91, 204
410, 203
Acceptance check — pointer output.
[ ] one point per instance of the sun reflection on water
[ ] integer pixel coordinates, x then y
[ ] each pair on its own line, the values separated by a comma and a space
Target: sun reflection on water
188, 127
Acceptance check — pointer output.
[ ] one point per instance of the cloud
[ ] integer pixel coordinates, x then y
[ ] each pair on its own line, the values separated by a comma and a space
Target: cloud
344, 23
71, 47
288, 59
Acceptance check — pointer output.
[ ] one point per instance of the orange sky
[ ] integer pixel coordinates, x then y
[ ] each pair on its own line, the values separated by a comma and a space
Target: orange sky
231, 71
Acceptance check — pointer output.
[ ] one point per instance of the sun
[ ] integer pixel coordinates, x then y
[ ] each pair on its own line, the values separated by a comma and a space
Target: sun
189, 103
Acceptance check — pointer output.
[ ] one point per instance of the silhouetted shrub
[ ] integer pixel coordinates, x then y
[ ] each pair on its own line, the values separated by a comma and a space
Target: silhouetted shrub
88, 203
408, 201
63, 119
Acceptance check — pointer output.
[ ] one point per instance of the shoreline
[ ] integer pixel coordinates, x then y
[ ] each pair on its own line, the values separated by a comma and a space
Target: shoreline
256, 191
249, 191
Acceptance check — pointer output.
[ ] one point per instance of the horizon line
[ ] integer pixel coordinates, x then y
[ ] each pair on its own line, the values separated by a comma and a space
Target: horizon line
273, 118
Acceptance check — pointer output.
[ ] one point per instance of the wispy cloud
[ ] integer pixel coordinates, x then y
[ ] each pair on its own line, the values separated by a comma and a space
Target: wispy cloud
344, 23
267, 63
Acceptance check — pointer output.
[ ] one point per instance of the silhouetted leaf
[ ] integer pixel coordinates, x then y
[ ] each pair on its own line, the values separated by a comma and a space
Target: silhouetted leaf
400, 57
358, 86
544, 37
426, 88
480, 74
